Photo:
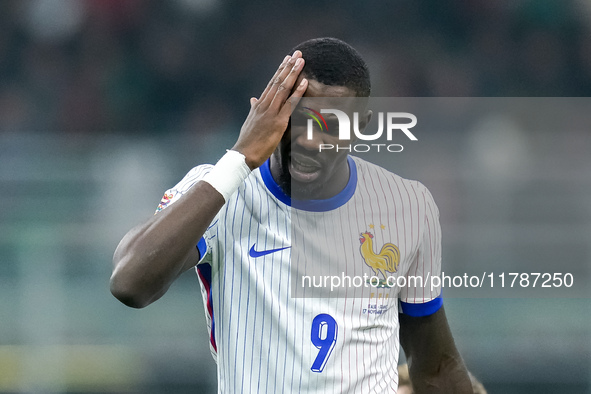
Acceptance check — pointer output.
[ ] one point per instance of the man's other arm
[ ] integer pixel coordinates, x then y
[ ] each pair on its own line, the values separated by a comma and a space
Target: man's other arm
435, 364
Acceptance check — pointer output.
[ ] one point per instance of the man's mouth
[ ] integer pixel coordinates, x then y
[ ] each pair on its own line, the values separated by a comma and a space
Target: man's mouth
303, 168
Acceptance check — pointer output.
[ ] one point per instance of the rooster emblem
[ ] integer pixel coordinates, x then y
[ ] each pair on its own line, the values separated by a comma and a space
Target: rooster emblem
385, 261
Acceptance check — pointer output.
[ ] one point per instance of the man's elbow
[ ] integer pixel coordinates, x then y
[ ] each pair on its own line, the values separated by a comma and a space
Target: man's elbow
127, 293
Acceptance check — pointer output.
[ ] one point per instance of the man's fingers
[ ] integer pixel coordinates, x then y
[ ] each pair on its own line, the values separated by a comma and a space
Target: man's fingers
253, 100
282, 66
278, 79
294, 99
284, 89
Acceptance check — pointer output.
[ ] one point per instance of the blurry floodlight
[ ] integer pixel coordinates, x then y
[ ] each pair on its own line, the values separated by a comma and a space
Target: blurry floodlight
54, 20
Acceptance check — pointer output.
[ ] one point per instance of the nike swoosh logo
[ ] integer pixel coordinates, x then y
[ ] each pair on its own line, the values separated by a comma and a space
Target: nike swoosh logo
255, 253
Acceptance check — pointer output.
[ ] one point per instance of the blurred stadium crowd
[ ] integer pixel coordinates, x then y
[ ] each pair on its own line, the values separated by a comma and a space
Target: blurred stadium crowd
90, 89
186, 65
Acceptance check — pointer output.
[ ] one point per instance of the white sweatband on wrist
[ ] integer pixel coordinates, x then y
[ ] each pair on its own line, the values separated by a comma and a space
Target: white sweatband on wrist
228, 173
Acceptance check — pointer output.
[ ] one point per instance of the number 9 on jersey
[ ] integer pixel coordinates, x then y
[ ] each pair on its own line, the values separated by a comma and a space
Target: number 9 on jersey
324, 337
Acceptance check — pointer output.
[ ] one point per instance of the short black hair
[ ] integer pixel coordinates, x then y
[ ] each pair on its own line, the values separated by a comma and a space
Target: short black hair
334, 62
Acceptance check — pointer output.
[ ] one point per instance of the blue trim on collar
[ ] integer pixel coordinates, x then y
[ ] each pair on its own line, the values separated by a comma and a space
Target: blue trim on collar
312, 205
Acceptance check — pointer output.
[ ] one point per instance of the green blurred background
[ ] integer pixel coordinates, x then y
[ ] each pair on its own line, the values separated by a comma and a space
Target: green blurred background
104, 104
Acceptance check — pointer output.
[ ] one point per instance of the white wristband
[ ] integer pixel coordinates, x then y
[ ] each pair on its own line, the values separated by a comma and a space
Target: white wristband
228, 173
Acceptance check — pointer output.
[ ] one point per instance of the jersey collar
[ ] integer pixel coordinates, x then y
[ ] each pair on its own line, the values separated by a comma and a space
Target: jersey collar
312, 205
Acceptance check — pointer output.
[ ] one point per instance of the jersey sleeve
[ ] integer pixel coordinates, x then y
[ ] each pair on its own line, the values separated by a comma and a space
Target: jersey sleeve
419, 297
175, 193
205, 247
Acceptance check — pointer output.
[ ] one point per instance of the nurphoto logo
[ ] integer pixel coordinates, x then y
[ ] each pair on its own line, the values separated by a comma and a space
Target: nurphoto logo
392, 120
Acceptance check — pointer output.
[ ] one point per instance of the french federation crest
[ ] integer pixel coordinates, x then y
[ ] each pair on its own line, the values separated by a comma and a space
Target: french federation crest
386, 260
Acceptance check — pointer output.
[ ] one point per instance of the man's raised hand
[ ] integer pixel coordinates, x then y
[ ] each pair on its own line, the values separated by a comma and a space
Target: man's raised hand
269, 115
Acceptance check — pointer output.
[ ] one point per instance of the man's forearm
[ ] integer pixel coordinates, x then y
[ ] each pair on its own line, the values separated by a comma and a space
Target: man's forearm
151, 256
435, 365
450, 378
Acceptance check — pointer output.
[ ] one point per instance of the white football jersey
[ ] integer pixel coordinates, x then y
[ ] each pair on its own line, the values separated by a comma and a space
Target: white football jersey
268, 269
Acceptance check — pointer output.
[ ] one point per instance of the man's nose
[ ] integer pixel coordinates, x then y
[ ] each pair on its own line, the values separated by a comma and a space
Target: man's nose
301, 136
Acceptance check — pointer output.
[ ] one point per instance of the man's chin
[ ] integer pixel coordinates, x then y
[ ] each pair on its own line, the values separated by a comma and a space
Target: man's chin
306, 190
304, 180
300, 190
